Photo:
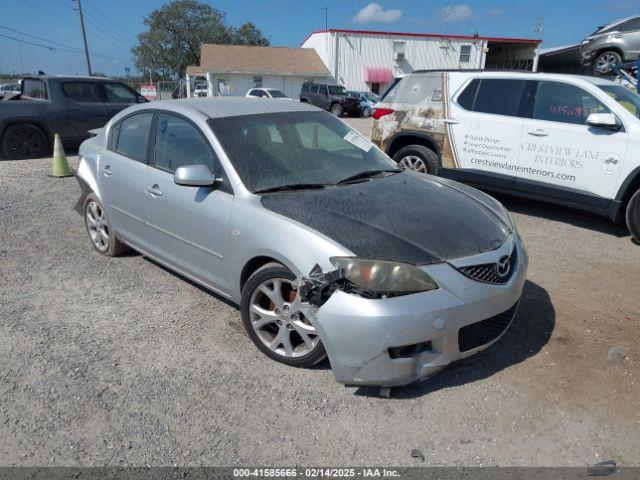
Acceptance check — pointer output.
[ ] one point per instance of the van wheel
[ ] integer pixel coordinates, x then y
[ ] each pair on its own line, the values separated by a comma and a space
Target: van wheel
273, 319
336, 109
102, 236
633, 215
605, 61
23, 141
417, 157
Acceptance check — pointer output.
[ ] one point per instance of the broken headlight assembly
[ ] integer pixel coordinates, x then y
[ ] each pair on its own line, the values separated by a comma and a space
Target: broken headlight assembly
384, 277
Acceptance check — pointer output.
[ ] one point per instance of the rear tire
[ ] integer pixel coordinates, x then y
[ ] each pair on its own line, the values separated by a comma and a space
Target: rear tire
273, 322
102, 236
633, 215
366, 113
23, 141
337, 109
418, 158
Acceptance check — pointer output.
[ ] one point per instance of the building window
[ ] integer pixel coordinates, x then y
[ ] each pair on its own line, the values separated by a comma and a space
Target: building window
257, 82
465, 53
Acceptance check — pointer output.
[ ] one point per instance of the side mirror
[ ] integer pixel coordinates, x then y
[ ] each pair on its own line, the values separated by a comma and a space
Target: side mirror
603, 120
194, 176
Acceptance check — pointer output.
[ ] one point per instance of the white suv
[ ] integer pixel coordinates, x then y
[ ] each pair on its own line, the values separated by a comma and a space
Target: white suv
571, 140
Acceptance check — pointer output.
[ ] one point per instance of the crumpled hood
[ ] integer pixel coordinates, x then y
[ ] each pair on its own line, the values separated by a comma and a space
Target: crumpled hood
406, 217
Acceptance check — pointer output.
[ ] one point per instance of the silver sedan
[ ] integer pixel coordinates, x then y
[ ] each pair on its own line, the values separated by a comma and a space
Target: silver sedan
328, 247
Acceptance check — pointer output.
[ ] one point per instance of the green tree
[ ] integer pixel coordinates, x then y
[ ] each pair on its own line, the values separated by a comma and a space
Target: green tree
176, 31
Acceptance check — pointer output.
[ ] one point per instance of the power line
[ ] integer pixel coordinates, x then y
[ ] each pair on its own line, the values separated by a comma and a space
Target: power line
115, 24
37, 38
37, 7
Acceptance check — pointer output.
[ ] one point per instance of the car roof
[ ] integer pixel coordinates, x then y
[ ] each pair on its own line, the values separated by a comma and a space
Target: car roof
231, 106
531, 75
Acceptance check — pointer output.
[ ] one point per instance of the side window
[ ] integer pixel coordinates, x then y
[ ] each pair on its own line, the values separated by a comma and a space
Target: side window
561, 102
118, 93
305, 87
468, 95
630, 25
323, 90
34, 89
131, 135
465, 53
86, 92
313, 88
179, 143
257, 82
113, 136
499, 97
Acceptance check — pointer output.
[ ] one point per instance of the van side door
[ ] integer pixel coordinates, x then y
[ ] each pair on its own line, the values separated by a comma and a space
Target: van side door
485, 125
562, 157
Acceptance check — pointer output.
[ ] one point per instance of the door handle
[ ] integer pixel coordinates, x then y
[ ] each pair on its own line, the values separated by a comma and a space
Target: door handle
538, 132
106, 171
451, 121
154, 190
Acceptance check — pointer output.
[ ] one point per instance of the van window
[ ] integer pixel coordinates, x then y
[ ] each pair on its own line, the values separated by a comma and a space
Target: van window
561, 102
468, 95
499, 96
131, 135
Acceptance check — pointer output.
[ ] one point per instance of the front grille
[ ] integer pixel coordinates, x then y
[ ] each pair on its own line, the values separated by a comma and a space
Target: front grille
484, 331
488, 272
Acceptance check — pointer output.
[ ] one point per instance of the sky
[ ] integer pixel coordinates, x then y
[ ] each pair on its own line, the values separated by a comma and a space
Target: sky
112, 25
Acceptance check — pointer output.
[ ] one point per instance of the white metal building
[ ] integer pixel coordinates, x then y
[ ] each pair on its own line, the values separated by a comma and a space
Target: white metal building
235, 69
370, 60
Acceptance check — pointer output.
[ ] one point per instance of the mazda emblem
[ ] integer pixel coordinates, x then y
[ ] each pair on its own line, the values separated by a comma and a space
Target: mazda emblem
503, 267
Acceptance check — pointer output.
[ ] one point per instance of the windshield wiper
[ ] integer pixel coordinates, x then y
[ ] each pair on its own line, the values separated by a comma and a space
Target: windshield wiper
292, 186
367, 174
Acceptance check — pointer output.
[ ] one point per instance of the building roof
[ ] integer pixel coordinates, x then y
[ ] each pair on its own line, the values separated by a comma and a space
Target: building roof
259, 60
426, 35
231, 106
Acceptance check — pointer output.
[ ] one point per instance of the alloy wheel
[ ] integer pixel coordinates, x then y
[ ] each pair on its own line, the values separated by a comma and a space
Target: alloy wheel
98, 226
606, 62
26, 143
276, 317
413, 162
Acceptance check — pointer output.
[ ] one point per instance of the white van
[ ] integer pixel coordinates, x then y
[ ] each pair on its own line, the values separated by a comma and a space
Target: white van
571, 140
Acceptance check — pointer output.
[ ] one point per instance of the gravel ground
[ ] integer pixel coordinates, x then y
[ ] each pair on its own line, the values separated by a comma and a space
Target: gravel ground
121, 362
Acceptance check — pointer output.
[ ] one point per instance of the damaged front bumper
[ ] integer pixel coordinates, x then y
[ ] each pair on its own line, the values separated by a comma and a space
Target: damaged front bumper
395, 341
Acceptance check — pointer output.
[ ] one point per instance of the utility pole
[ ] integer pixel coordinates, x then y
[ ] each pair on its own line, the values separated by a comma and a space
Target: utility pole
20, 53
84, 37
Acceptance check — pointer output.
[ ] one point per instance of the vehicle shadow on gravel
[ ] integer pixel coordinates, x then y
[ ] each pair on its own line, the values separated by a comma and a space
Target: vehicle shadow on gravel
558, 213
529, 332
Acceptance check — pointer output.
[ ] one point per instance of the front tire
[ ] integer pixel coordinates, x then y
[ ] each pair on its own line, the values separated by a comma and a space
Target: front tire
605, 61
102, 236
418, 158
23, 141
336, 109
633, 215
366, 113
271, 316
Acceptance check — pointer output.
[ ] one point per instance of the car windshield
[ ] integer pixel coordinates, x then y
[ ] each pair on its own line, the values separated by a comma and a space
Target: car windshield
335, 90
293, 148
624, 96
277, 94
371, 97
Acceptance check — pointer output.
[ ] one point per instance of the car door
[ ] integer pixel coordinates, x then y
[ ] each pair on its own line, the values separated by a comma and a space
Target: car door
118, 97
122, 167
323, 97
84, 106
485, 124
630, 38
191, 229
563, 158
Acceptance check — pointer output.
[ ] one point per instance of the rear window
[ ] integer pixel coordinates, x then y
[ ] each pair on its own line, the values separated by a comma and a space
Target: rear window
468, 95
34, 89
414, 88
87, 92
130, 136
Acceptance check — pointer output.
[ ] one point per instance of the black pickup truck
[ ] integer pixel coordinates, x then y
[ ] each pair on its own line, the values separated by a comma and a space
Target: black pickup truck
70, 106
330, 97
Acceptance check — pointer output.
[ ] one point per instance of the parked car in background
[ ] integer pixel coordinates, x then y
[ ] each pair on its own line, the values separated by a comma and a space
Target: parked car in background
267, 93
284, 209
9, 89
563, 139
200, 90
333, 98
612, 44
70, 106
368, 102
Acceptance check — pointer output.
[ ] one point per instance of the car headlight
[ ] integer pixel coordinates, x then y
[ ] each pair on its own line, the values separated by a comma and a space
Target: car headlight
384, 276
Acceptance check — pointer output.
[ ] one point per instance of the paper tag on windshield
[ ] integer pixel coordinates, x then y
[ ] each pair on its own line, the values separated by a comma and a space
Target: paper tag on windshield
358, 140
